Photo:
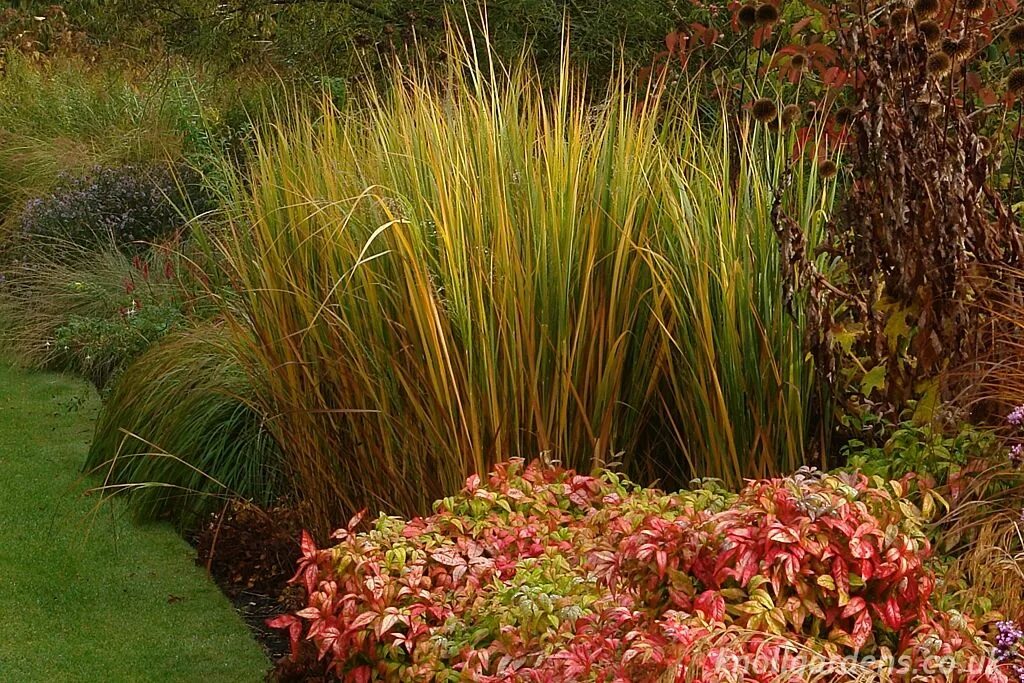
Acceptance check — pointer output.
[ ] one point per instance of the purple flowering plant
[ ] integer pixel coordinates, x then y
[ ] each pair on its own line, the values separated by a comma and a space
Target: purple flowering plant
128, 206
1009, 648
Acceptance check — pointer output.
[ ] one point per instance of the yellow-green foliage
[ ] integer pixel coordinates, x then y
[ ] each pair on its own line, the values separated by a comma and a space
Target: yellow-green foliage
470, 268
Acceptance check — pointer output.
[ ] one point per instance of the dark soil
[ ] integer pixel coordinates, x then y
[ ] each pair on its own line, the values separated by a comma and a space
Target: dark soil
251, 554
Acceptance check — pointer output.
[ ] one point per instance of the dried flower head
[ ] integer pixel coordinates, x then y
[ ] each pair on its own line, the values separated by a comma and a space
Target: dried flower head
938, 64
899, 18
931, 31
767, 14
973, 8
827, 169
1016, 36
791, 115
844, 115
747, 16
764, 109
1015, 81
956, 50
798, 61
926, 9
985, 145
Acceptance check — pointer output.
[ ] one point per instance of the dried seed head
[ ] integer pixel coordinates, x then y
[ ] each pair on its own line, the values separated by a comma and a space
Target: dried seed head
926, 9
956, 50
747, 16
931, 31
899, 18
767, 14
1016, 36
798, 61
973, 8
827, 169
790, 115
985, 145
1015, 81
938, 64
764, 110
844, 115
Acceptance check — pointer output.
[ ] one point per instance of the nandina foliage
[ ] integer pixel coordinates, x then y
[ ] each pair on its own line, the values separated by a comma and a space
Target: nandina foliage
547, 575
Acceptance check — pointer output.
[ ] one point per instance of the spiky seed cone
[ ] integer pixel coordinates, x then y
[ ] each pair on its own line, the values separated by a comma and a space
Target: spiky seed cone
844, 115
1015, 81
938, 64
899, 18
926, 9
973, 8
1016, 36
931, 31
767, 14
827, 169
956, 50
965, 47
790, 115
747, 16
764, 110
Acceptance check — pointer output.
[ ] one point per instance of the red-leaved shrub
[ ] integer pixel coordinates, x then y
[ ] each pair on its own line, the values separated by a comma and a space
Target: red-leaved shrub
542, 574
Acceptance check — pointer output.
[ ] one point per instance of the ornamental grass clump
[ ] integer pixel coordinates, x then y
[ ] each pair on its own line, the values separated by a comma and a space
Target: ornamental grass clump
473, 267
541, 574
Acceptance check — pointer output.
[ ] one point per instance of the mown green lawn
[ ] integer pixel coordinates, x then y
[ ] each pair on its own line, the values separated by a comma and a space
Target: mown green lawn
86, 595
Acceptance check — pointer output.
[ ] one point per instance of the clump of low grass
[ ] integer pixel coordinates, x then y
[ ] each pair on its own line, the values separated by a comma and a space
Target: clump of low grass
471, 267
178, 435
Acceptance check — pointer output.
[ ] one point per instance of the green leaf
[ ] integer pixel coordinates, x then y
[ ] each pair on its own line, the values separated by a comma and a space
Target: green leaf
874, 379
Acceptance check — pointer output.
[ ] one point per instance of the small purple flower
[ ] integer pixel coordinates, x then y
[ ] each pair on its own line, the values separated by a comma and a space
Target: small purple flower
1016, 416
1017, 455
1008, 635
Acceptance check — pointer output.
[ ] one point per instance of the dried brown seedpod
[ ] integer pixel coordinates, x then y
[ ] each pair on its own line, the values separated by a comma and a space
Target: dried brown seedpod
899, 18
791, 115
767, 14
827, 169
926, 9
973, 8
931, 31
938, 64
1016, 36
844, 115
747, 16
1015, 81
764, 109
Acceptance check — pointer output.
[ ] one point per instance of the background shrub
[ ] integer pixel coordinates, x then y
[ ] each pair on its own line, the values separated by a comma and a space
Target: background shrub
340, 38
